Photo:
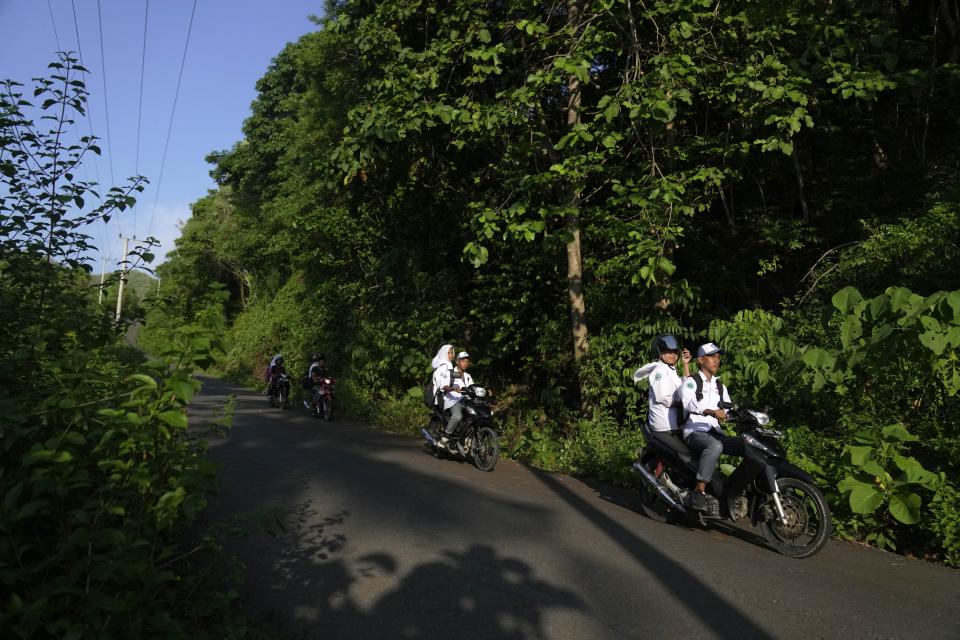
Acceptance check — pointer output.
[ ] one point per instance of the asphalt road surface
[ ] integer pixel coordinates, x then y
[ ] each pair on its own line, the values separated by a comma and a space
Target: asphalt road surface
359, 533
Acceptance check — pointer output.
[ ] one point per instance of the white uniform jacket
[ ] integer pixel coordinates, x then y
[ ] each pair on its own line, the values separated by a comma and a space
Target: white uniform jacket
443, 377
694, 408
663, 394
465, 380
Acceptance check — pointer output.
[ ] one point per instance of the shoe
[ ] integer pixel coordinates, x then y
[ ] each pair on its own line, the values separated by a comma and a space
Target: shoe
698, 501
442, 443
306, 405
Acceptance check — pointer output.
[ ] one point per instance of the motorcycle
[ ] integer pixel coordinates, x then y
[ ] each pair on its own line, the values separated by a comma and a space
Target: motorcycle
322, 396
476, 438
280, 391
779, 497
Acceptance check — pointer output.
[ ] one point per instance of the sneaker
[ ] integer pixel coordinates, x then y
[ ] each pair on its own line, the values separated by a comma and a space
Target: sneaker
442, 443
306, 405
698, 501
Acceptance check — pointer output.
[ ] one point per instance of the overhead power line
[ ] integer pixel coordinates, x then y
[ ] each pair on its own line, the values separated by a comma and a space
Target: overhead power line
88, 109
106, 108
54, 23
143, 61
173, 111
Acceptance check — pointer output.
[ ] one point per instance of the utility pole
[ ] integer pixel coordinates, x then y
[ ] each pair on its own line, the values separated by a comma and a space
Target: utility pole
103, 274
123, 275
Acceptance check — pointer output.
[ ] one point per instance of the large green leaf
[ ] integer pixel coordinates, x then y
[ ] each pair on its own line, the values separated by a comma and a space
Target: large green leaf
860, 454
846, 299
905, 507
865, 499
898, 433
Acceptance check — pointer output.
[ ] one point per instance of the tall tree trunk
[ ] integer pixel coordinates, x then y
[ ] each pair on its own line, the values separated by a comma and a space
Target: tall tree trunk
572, 220
801, 190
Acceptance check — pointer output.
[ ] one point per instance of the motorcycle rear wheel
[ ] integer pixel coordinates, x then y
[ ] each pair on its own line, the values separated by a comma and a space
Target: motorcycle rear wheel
486, 449
435, 429
651, 504
808, 520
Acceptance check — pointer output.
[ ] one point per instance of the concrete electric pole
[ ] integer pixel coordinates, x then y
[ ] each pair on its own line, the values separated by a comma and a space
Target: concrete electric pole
123, 275
103, 274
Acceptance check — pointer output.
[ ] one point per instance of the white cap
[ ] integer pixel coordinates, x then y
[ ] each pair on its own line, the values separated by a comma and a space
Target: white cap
709, 349
462, 355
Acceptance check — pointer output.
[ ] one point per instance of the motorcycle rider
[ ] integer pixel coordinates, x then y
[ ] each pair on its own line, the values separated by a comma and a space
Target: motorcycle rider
701, 431
663, 409
315, 372
275, 369
461, 379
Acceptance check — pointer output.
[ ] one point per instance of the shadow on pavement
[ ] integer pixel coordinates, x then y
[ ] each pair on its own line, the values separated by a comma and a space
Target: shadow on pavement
628, 499
700, 600
474, 593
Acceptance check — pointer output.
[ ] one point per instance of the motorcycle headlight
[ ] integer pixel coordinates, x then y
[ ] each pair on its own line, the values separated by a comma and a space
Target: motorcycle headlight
480, 392
759, 416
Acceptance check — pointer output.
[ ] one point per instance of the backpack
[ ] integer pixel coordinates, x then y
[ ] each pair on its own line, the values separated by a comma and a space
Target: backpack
428, 393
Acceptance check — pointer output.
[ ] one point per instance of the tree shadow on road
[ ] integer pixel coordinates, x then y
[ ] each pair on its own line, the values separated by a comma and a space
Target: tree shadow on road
701, 602
307, 592
628, 499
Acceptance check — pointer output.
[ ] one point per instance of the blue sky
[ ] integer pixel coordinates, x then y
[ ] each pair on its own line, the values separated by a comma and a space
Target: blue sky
231, 44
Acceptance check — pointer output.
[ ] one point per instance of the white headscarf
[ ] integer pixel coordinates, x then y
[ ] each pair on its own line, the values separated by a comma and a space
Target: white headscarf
441, 358
274, 361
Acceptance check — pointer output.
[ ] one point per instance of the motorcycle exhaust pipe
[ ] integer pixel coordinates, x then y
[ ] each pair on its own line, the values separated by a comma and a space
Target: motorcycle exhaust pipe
653, 482
428, 437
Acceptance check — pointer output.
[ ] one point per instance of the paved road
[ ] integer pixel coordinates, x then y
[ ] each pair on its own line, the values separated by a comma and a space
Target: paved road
359, 533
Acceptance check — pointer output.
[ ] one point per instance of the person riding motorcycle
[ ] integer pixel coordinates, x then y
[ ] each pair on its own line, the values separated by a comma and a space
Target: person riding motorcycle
461, 380
275, 369
663, 401
701, 431
315, 372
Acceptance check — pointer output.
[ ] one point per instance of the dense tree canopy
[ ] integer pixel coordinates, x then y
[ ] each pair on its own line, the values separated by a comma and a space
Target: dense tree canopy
509, 175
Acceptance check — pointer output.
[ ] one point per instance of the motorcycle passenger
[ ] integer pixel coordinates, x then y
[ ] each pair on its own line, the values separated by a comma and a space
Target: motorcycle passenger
461, 379
701, 431
274, 371
443, 370
663, 405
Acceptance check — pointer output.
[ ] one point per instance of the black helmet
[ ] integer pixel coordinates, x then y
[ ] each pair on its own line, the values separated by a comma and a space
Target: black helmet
664, 343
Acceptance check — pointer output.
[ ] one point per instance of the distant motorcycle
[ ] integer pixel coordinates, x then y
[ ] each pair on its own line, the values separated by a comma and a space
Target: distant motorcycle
322, 396
280, 392
776, 495
476, 437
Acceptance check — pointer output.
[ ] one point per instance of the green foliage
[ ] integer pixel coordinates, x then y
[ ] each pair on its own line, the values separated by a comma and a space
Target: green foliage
411, 175
100, 475
892, 358
885, 477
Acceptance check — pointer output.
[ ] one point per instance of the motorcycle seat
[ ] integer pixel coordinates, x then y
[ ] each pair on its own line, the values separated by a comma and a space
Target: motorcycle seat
672, 445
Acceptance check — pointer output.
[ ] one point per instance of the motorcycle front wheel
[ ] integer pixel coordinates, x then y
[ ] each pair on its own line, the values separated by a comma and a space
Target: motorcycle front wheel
486, 449
808, 518
328, 409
